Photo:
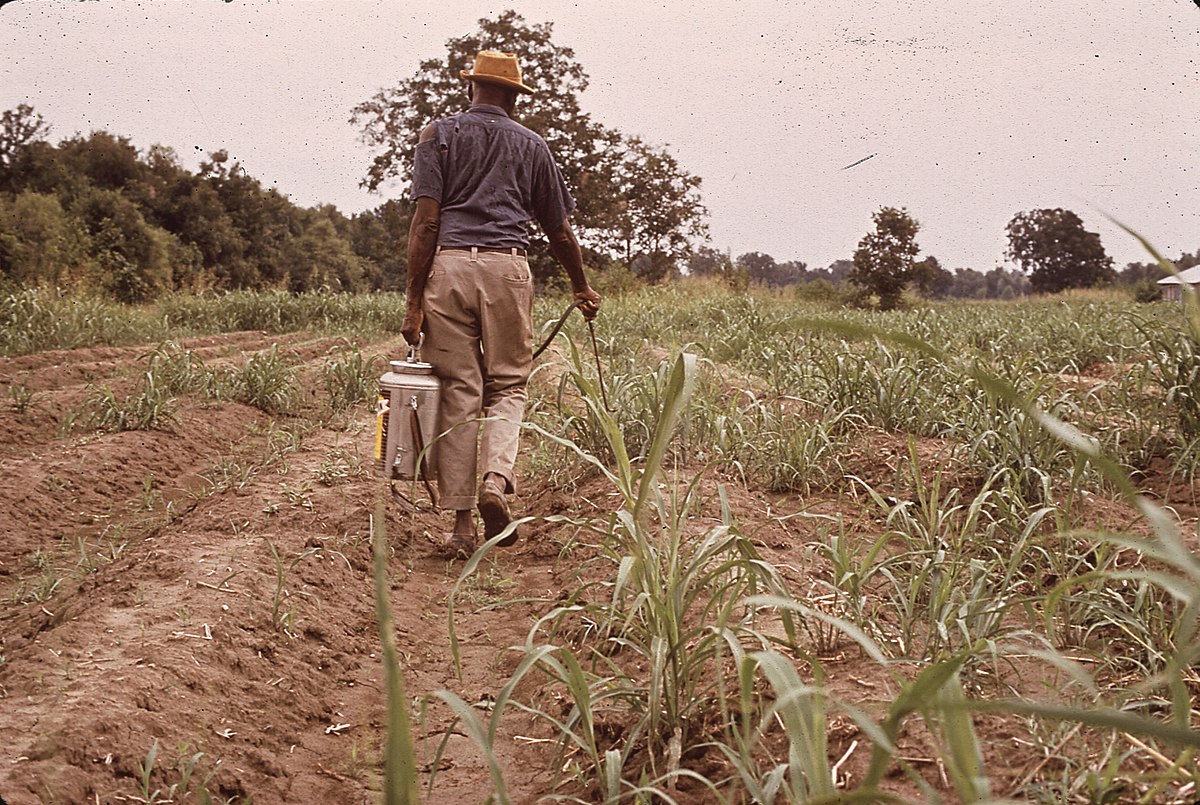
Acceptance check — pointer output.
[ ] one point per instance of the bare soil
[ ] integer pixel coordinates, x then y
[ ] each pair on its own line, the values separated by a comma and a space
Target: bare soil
206, 588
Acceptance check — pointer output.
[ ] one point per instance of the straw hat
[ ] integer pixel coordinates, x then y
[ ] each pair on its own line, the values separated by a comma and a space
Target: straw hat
494, 67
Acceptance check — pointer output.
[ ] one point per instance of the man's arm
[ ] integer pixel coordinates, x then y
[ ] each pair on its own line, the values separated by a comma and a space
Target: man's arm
422, 245
565, 248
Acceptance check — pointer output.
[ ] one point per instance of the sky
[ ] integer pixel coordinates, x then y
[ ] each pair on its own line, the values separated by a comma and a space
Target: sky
968, 111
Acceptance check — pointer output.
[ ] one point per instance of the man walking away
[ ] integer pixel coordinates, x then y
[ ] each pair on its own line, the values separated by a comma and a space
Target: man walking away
479, 179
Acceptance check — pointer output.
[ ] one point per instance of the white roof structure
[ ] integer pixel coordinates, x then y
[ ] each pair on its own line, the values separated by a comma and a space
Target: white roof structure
1191, 276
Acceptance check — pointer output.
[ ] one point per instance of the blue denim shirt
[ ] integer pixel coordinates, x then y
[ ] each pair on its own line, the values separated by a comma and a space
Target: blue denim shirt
492, 176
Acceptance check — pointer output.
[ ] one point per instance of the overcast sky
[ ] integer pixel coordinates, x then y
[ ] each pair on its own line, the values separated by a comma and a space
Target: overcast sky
973, 110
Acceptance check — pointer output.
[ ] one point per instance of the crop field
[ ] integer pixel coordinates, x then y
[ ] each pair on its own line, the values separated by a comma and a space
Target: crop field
804, 555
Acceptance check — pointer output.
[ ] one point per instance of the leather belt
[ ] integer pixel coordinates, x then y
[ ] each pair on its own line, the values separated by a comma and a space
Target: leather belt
515, 251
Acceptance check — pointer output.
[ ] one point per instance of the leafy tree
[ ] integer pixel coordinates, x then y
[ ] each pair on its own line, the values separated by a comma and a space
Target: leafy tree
883, 261
931, 279
377, 237
631, 197
1137, 273
968, 284
1057, 252
43, 243
839, 270
763, 269
95, 211
659, 213
130, 254
107, 162
18, 128
322, 259
191, 207
393, 118
758, 265
1002, 284
707, 261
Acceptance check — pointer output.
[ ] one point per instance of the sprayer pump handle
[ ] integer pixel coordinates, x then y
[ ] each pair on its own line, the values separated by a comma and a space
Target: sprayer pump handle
414, 350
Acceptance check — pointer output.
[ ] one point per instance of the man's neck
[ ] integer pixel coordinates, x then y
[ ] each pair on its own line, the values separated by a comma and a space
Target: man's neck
487, 95
490, 107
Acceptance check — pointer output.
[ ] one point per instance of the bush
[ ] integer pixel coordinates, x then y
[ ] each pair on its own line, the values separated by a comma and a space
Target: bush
1147, 291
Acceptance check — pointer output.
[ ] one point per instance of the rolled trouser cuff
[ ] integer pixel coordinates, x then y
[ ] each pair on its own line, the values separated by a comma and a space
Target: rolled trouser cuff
458, 503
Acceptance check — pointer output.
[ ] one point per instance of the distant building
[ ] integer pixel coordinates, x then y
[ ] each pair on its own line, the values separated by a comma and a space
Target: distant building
1172, 287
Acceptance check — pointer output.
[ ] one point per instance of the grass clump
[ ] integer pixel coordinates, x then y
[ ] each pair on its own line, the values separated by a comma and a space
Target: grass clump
150, 407
266, 382
349, 377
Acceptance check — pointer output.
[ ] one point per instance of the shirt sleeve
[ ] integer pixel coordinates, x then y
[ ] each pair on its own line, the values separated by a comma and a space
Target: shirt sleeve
552, 201
427, 171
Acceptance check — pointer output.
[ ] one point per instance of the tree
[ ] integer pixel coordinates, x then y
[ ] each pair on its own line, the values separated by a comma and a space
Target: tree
631, 198
43, 243
322, 259
1001, 284
883, 261
931, 279
18, 128
377, 237
763, 269
707, 262
108, 162
757, 265
1056, 251
130, 254
393, 118
659, 213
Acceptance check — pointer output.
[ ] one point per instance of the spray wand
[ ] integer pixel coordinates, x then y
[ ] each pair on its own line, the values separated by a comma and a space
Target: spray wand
595, 348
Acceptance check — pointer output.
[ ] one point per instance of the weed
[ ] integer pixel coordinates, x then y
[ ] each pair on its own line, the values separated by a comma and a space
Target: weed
299, 497
22, 396
179, 370
338, 466
47, 584
150, 495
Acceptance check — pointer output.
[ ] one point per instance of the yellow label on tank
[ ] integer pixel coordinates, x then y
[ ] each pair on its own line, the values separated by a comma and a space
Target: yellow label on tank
381, 413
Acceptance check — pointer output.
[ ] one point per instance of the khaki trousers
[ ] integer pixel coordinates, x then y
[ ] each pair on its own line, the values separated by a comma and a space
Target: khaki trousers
479, 338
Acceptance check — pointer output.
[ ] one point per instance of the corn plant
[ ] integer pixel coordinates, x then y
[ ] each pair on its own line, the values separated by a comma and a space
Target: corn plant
151, 407
267, 383
349, 377
283, 621
669, 586
22, 396
400, 783
179, 370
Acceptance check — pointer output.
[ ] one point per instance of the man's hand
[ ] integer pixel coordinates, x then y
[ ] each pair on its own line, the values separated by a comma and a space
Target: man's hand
589, 302
414, 317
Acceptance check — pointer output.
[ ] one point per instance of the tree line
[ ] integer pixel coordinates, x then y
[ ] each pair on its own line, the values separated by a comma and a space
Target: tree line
93, 211
1052, 248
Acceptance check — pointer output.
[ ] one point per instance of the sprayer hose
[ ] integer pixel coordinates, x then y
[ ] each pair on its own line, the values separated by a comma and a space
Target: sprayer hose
557, 326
